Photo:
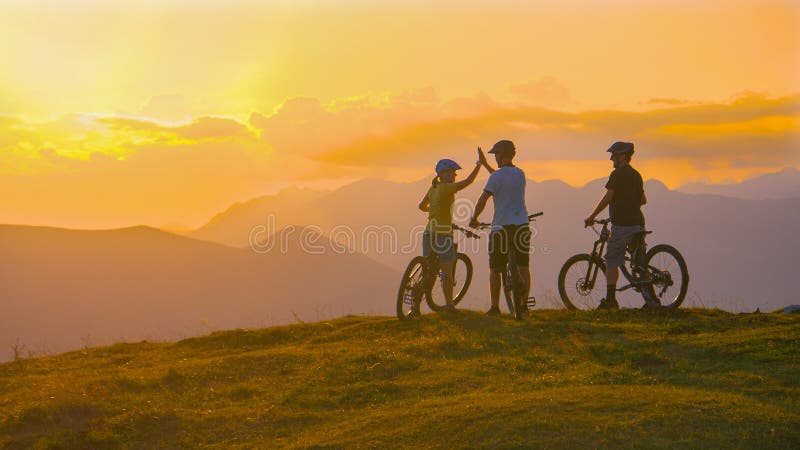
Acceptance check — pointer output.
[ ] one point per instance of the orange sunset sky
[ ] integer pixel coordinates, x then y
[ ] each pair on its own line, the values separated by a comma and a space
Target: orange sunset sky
166, 112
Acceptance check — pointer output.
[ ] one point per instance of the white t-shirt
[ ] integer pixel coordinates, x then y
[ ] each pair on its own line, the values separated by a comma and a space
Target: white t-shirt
507, 185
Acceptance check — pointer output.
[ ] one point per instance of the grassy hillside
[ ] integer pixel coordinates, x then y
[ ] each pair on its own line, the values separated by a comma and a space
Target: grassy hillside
697, 378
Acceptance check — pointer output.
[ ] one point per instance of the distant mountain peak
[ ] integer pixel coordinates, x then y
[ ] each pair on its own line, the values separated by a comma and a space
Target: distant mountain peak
300, 191
368, 183
654, 184
782, 184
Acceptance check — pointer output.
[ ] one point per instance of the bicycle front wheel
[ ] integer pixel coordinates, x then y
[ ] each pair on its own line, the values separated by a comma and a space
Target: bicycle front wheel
508, 290
670, 275
582, 282
411, 288
462, 277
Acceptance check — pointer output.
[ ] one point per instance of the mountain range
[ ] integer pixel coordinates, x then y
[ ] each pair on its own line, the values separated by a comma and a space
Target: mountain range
739, 250
307, 255
64, 289
781, 184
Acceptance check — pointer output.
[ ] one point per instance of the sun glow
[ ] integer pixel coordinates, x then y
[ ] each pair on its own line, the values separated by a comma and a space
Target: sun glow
213, 103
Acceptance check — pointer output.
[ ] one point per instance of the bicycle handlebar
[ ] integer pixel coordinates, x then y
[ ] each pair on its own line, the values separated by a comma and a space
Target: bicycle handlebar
467, 232
601, 222
531, 218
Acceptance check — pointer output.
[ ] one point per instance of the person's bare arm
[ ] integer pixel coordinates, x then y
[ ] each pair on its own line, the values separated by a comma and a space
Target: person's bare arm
470, 178
424, 204
483, 161
479, 206
601, 205
644, 198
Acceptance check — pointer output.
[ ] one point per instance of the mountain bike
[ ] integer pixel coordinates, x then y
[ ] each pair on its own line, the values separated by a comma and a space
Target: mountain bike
513, 288
659, 274
420, 280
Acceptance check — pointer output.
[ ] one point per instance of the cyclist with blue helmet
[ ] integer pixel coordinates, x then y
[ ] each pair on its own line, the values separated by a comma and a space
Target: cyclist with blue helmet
438, 203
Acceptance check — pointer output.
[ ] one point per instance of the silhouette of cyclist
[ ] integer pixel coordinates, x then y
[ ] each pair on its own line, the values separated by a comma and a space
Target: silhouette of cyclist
624, 196
438, 235
510, 229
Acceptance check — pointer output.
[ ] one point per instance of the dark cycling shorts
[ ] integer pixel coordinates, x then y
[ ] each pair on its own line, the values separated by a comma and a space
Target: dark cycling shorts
500, 246
440, 243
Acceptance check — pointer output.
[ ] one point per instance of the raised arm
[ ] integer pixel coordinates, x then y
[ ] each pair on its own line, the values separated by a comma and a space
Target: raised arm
483, 161
470, 178
603, 204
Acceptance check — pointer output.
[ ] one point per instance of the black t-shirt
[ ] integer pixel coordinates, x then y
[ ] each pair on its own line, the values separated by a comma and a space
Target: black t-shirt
626, 206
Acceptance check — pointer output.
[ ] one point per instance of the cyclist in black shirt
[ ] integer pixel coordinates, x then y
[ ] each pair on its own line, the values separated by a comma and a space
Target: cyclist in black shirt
625, 197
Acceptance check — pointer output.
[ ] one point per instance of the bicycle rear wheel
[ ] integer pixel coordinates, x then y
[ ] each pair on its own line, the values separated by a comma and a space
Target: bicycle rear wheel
518, 293
670, 275
580, 287
411, 289
462, 277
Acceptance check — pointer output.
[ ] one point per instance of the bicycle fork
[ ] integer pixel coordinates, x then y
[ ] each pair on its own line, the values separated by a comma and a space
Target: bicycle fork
513, 273
591, 270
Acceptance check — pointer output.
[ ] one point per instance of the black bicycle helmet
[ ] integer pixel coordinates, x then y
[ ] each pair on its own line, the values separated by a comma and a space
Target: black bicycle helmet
621, 147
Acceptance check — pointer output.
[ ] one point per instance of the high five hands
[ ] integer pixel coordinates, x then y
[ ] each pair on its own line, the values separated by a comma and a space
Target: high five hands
482, 158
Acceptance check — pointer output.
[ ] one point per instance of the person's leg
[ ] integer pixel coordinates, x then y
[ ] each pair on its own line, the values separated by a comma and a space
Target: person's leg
612, 275
494, 288
525, 277
615, 257
447, 262
427, 249
426, 244
522, 250
447, 281
497, 264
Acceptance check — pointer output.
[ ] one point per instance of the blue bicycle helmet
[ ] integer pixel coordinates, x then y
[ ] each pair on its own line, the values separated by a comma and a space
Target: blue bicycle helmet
445, 164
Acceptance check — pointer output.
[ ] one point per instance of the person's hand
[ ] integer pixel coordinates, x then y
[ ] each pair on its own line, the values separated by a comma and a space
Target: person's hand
589, 221
473, 223
482, 157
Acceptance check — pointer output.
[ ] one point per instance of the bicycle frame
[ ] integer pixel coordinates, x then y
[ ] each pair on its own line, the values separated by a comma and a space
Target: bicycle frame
511, 272
432, 266
631, 255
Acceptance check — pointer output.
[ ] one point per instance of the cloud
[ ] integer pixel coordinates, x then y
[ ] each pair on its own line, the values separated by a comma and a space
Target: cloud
168, 107
213, 128
307, 127
408, 129
9, 121
93, 166
80, 142
186, 174
200, 128
425, 95
744, 129
544, 92
667, 101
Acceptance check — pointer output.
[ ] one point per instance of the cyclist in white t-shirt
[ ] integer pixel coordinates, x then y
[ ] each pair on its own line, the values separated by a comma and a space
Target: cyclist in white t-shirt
510, 229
